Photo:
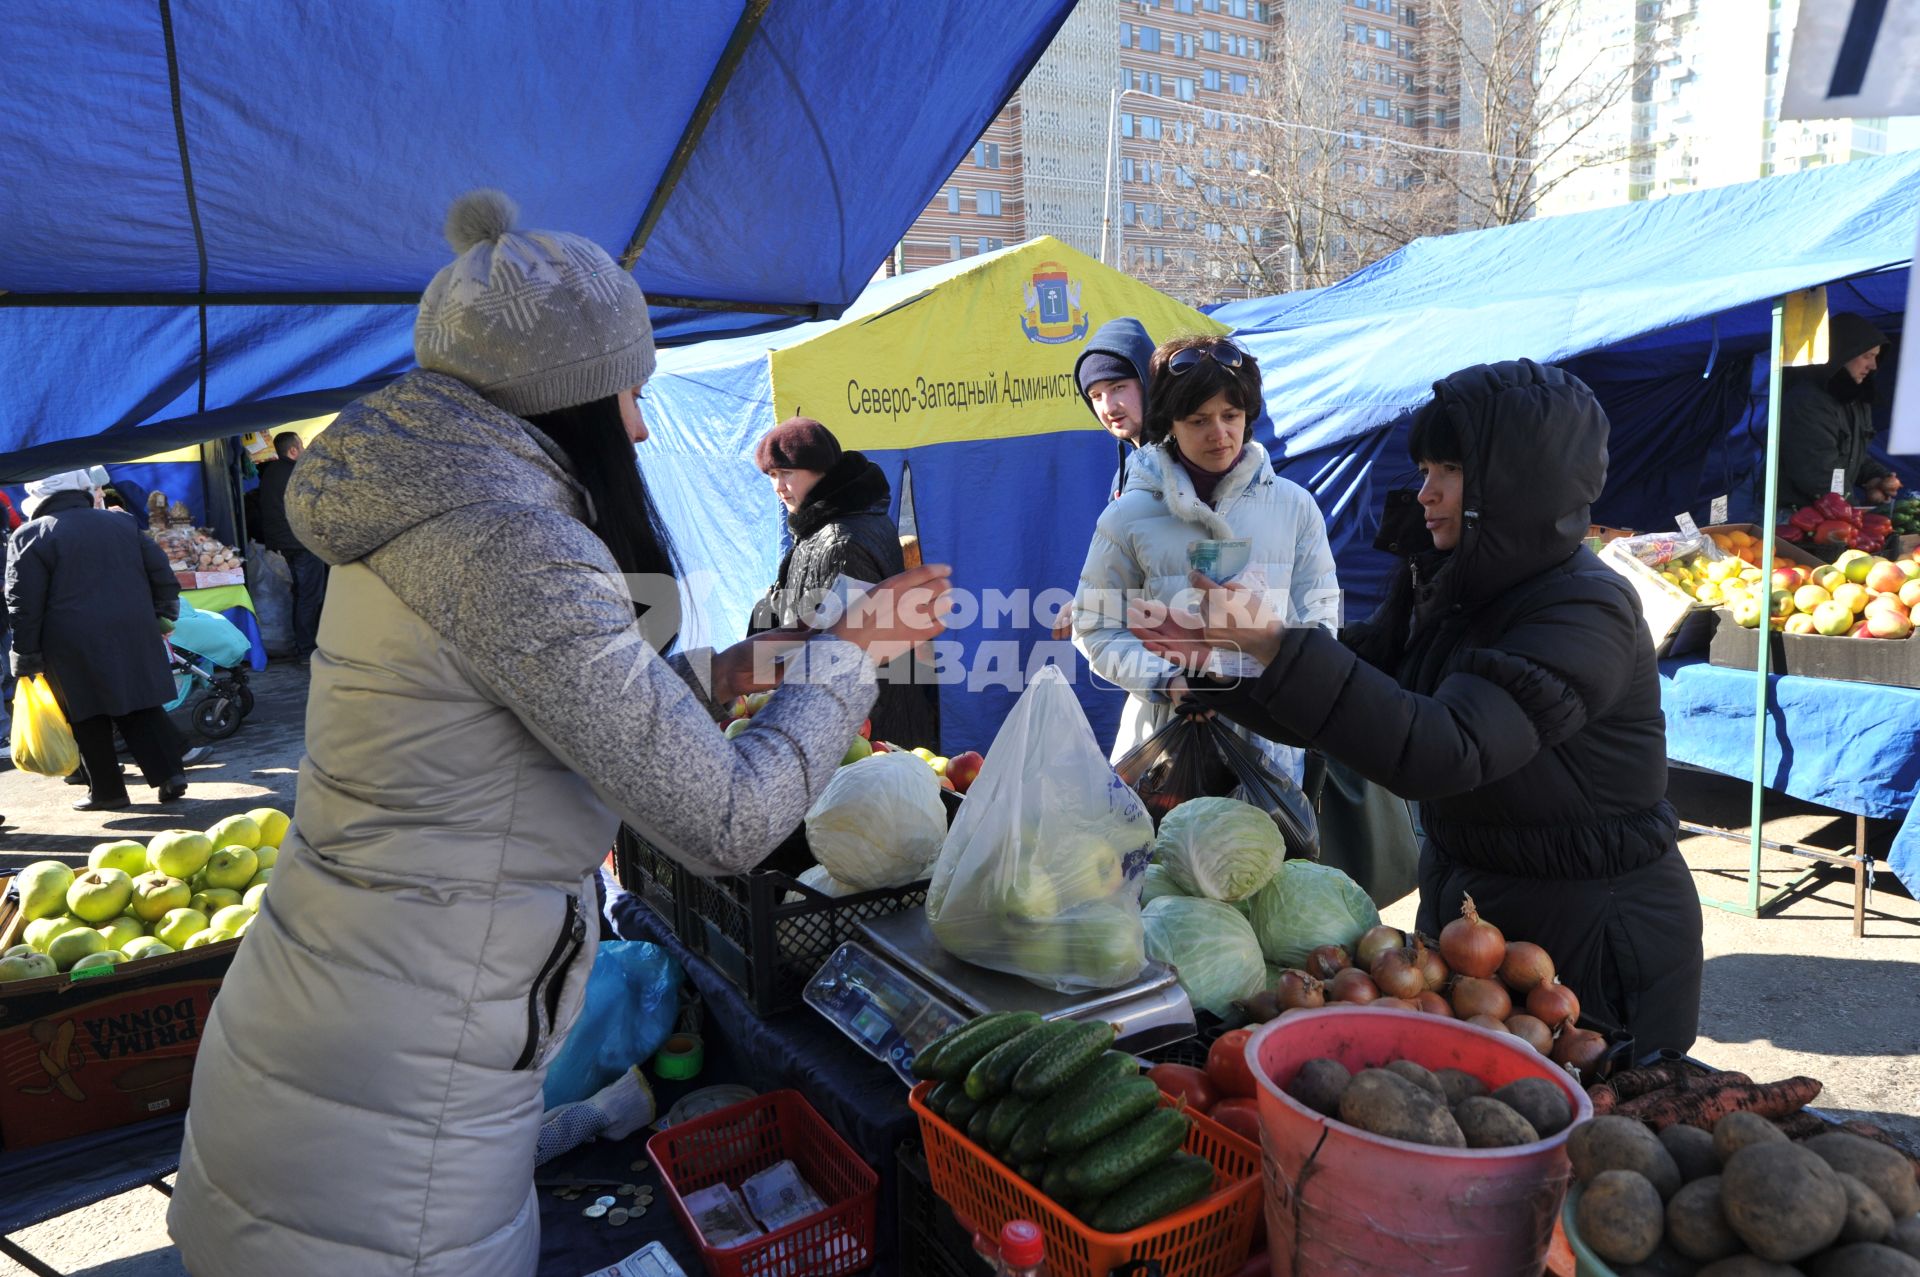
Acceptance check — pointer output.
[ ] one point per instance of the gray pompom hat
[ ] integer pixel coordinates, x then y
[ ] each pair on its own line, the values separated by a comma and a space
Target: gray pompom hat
534, 320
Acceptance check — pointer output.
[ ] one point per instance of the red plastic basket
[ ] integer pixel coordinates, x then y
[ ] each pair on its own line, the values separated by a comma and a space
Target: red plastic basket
734, 1143
1210, 1238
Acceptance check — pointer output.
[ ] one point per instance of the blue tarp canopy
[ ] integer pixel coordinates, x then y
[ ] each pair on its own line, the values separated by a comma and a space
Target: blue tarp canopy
1661, 307
209, 205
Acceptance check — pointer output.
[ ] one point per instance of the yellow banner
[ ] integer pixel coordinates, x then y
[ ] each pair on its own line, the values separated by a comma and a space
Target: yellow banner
1803, 328
985, 354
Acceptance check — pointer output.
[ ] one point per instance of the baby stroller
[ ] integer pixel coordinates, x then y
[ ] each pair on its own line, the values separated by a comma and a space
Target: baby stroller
208, 652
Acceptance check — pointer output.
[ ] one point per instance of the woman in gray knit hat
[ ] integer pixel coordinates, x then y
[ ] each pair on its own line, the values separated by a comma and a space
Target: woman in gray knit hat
485, 710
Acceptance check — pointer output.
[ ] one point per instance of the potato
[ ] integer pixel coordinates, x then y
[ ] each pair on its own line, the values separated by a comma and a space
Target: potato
1487, 1123
1748, 1266
1419, 1076
1319, 1085
1387, 1104
1737, 1130
1696, 1226
1880, 1168
1619, 1216
1692, 1151
1864, 1259
1905, 1236
1664, 1262
1614, 1143
1459, 1085
1783, 1200
1868, 1219
1544, 1105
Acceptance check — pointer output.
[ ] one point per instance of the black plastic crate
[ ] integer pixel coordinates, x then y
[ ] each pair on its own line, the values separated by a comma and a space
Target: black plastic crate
933, 1243
652, 875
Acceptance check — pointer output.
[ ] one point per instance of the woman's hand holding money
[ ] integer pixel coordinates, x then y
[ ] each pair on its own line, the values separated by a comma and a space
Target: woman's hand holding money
1223, 618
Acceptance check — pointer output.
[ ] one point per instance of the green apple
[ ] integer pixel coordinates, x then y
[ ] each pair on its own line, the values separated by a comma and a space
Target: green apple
43, 889
18, 951
146, 947
120, 930
229, 919
245, 926
267, 854
99, 894
273, 825
213, 900
70, 946
105, 958
231, 867
41, 931
1033, 896
260, 879
254, 894
737, 726
179, 853
858, 750
179, 924
156, 893
201, 939
31, 966
127, 856
235, 831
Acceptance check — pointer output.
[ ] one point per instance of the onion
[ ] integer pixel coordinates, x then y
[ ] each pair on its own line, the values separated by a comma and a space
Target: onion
1433, 1004
1299, 991
1579, 1049
1432, 965
1527, 967
1488, 1022
1353, 985
1402, 1004
1328, 961
1473, 996
1375, 942
1470, 946
1394, 971
1537, 1035
1554, 1004
1261, 1007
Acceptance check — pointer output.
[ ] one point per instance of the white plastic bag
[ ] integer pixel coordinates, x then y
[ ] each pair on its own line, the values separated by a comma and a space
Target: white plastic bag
1040, 875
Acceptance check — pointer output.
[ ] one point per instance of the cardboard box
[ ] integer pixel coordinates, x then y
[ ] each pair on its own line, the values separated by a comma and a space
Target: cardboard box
1672, 615
1890, 662
78, 1056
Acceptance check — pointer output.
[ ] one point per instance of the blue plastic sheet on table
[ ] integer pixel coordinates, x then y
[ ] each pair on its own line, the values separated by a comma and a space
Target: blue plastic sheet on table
632, 999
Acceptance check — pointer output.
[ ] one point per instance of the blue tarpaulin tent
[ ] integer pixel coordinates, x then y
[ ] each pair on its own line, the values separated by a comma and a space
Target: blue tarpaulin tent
1661, 307
232, 207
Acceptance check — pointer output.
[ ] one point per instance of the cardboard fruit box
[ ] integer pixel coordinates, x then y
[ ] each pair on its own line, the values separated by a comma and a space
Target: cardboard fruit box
1890, 662
109, 1050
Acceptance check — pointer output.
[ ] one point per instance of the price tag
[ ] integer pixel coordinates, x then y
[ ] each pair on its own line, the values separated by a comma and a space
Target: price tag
1839, 482
1719, 512
1685, 523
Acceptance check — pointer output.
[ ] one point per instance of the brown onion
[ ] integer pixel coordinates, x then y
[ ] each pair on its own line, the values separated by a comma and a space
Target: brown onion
1260, 1007
1432, 965
1527, 967
1375, 942
1433, 1004
1473, 996
1532, 1031
1555, 1004
1394, 971
1488, 1022
1299, 991
1353, 985
1580, 1049
1402, 1004
1328, 961
1470, 946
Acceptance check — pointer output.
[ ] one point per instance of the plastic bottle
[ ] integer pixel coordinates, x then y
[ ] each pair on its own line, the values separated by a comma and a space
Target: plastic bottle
1023, 1251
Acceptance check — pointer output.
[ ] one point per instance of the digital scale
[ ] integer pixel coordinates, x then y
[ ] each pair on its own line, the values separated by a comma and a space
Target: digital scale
897, 988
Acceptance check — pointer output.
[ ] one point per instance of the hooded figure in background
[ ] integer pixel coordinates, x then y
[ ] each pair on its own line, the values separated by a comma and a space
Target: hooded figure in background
1112, 373
1508, 686
1826, 421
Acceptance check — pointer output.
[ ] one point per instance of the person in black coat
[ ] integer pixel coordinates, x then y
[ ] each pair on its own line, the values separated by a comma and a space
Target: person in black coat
1507, 685
308, 569
1826, 421
837, 512
87, 595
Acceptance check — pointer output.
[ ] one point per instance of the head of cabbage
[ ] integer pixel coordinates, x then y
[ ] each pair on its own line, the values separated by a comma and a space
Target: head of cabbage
1209, 945
879, 823
1220, 848
1308, 904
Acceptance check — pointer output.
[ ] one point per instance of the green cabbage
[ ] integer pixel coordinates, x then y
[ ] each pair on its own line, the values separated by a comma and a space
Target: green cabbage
879, 823
1155, 883
1220, 848
1211, 948
1305, 906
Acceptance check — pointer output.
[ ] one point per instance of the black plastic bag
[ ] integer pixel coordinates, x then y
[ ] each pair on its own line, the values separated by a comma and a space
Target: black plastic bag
1197, 757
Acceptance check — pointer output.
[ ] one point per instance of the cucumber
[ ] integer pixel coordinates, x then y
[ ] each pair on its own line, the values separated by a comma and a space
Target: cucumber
1115, 1066
993, 1074
1111, 1162
1053, 1066
1054, 1183
978, 1123
947, 1058
1155, 1193
1100, 1113
942, 1095
1032, 1172
1008, 1114
960, 1110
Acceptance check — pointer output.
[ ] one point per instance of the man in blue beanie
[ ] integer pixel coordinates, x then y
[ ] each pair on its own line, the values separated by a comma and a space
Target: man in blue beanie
1112, 375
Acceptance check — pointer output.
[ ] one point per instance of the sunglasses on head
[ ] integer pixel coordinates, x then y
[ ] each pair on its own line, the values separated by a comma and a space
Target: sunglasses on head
1224, 353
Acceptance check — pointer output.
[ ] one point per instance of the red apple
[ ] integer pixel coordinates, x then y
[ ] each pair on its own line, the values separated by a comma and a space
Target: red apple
1888, 624
1788, 579
881, 747
737, 708
1885, 579
1910, 594
866, 728
1886, 603
963, 769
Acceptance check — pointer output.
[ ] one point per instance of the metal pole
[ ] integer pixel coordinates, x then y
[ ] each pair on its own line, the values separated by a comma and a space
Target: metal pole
1769, 499
1106, 183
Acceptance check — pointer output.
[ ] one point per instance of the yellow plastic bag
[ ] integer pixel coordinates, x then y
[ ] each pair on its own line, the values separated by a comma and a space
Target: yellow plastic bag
42, 741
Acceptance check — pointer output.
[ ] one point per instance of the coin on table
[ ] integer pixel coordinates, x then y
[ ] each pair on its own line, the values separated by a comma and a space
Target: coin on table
640, 1165
617, 1217
627, 1190
605, 1201
594, 1211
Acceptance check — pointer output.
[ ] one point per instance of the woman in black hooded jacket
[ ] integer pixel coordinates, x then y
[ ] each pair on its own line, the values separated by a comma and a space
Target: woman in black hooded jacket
1508, 685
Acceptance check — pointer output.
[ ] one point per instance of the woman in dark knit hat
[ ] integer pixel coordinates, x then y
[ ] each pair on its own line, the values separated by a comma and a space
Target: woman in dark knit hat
837, 510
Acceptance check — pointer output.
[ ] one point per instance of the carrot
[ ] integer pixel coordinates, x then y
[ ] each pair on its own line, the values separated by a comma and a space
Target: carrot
1634, 1083
1704, 1106
1604, 1098
1653, 1099
1801, 1125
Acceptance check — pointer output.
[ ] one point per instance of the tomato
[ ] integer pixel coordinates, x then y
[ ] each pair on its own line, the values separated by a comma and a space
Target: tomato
1227, 1064
1242, 1117
1184, 1082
